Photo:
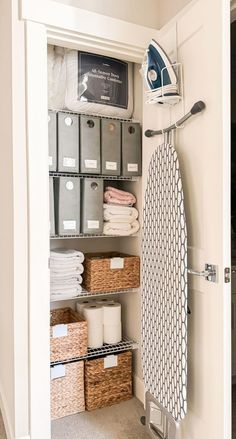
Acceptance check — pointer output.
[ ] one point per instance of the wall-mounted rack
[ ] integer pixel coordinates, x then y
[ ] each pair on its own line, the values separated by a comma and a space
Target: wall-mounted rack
103, 177
125, 345
197, 108
84, 235
86, 294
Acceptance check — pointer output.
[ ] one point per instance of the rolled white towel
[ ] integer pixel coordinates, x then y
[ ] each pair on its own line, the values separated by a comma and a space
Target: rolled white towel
63, 253
119, 214
121, 229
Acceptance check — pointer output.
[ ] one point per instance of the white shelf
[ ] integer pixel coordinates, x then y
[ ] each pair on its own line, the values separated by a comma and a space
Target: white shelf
85, 235
125, 345
102, 177
85, 293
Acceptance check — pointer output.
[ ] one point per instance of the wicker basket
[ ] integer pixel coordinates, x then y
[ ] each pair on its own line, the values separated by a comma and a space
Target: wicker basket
100, 277
75, 343
105, 387
67, 392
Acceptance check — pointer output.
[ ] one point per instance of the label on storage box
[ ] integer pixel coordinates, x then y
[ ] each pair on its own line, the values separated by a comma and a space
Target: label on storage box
93, 224
59, 331
91, 164
69, 162
110, 361
117, 263
111, 166
132, 167
50, 160
69, 225
102, 80
58, 371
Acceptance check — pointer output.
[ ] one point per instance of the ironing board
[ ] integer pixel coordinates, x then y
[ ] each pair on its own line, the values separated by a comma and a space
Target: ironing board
164, 285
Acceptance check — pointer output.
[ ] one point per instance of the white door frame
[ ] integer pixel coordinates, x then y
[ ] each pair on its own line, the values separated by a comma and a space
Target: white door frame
66, 26
48, 21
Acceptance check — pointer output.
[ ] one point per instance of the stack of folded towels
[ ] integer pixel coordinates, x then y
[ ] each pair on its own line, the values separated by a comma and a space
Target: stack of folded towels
66, 268
120, 217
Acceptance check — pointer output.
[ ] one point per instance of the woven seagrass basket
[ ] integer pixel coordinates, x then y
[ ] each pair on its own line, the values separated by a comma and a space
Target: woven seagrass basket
67, 392
75, 343
107, 386
100, 276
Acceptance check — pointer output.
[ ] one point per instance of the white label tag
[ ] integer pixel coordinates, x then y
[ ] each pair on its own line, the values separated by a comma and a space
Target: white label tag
111, 166
69, 162
59, 331
91, 164
58, 371
110, 361
69, 225
93, 224
117, 263
132, 167
50, 160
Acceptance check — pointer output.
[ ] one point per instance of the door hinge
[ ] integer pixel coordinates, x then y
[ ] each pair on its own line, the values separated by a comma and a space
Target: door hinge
227, 275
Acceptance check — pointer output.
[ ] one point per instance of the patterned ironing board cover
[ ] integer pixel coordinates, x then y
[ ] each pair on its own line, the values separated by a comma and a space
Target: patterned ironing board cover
164, 284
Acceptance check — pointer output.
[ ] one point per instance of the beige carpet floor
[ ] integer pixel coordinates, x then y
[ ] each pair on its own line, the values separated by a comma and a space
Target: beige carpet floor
2, 429
122, 421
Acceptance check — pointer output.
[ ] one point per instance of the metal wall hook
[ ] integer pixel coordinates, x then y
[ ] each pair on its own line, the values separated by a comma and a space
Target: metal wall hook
197, 108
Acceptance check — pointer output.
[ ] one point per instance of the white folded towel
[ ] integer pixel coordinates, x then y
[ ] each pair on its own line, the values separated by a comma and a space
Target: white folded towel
119, 214
62, 253
66, 290
67, 271
121, 229
61, 287
66, 280
58, 297
64, 267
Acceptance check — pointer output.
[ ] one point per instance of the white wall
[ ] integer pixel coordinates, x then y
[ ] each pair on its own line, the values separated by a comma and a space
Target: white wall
136, 11
151, 13
167, 9
13, 226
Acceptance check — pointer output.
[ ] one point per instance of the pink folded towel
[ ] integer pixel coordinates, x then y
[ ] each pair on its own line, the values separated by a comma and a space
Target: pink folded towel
116, 196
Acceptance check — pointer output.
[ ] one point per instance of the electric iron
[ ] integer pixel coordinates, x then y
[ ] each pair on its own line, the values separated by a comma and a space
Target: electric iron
159, 75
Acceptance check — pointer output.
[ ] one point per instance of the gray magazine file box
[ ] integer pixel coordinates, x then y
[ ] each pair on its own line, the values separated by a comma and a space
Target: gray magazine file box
111, 147
67, 202
51, 207
68, 142
90, 149
52, 141
92, 206
131, 149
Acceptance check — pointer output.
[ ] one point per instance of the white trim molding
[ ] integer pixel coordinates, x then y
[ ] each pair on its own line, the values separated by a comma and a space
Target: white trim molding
75, 27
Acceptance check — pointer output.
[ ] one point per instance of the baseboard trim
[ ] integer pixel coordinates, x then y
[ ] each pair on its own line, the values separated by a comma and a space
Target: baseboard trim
5, 415
139, 390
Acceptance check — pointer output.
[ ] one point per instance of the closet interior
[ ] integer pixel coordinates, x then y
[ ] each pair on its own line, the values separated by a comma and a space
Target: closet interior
95, 184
